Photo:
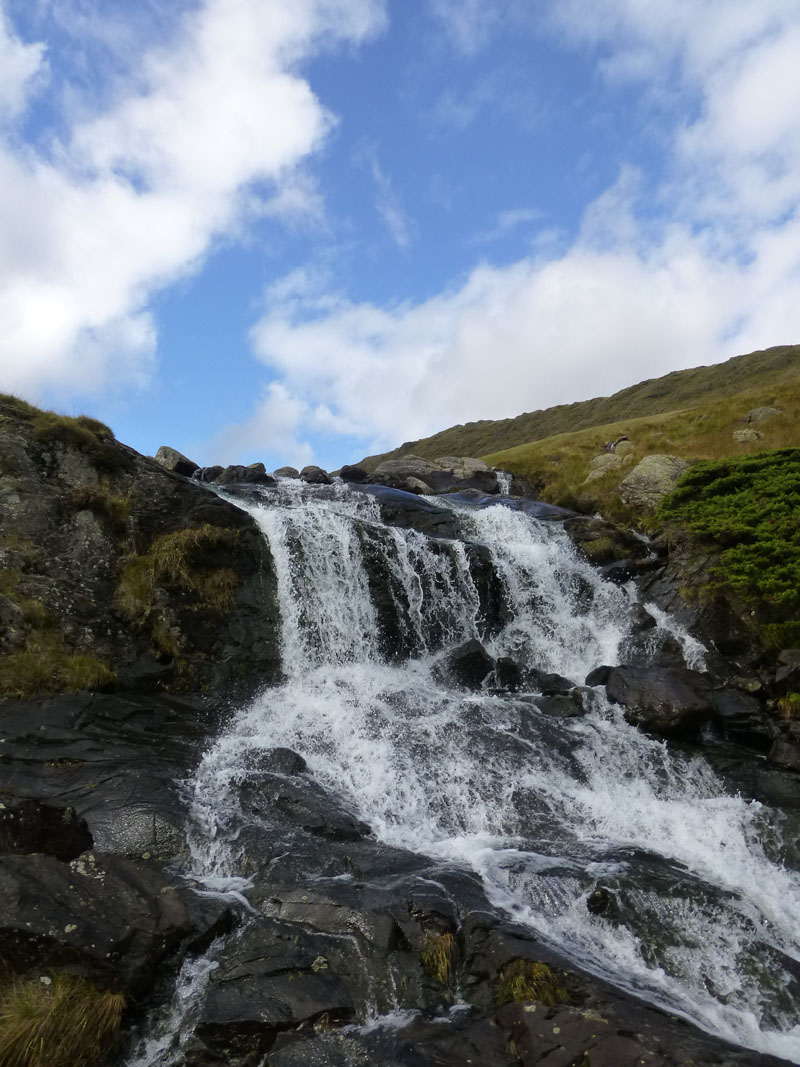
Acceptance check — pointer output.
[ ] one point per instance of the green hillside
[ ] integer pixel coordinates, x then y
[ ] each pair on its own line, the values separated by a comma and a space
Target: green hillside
678, 390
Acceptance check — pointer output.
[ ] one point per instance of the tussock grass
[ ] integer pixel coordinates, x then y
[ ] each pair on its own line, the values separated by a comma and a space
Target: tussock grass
438, 957
524, 980
90, 436
66, 1023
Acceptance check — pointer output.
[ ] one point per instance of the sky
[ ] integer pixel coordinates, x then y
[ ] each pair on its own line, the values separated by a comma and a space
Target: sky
304, 231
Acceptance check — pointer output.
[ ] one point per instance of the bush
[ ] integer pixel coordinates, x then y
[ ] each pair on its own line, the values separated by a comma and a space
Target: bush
66, 1022
747, 508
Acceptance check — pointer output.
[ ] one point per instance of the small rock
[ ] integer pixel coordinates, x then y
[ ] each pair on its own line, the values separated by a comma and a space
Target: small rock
469, 664
287, 472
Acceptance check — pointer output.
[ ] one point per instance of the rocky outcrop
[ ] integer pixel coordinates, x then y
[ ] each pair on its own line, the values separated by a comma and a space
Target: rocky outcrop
173, 460
448, 474
650, 480
121, 573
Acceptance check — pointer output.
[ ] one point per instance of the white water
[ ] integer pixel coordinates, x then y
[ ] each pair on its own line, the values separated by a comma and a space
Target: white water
542, 808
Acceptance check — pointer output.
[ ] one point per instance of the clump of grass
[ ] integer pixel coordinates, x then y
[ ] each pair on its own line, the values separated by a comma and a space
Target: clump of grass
746, 508
44, 666
114, 509
524, 980
67, 1022
18, 405
789, 706
88, 435
438, 957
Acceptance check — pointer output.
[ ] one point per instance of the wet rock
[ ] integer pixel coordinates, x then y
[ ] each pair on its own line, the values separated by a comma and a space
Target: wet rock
287, 472
785, 753
236, 474
547, 683
354, 474
415, 512
115, 920
468, 666
602, 543
741, 717
650, 481
176, 461
601, 901
28, 826
508, 675
209, 474
787, 672
562, 706
278, 761
315, 475
599, 676
663, 700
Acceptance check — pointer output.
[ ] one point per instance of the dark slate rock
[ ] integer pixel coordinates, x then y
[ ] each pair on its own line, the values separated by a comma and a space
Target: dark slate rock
315, 475
352, 473
785, 753
469, 665
28, 826
661, 699
508, 675
209, 474
279, 761
548, 684
599, 676
239, 475
741, 716
787, 672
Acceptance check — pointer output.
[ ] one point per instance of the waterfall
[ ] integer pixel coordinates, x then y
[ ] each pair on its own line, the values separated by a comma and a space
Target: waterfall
542, 808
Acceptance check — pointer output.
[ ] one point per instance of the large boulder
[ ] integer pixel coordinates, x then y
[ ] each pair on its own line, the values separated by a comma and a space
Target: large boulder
394, 473
650, 481
315, 475
663, 700
176, 461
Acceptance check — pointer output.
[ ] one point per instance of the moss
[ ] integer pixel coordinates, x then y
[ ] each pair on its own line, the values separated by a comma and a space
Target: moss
44, 666
746, 508
113, 509
65, 1021
524, 980
438, 956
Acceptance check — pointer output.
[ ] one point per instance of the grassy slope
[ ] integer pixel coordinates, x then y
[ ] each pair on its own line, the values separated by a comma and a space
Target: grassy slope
559, 465
681, 389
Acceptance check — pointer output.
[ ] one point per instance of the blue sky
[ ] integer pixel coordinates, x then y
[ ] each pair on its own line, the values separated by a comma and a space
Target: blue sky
306, 230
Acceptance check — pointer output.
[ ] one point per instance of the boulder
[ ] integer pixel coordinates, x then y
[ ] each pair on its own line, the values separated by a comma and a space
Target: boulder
354, 474
601, 465
395, 472
764, 413
236, 474
469, 665
787, 671
176, 461
741, 717
462, 466
287, 472
747, 436
650, 481
315, 475
663, 700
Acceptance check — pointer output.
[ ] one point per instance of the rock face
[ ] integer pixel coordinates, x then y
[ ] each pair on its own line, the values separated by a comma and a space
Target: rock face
121, 573
650, 481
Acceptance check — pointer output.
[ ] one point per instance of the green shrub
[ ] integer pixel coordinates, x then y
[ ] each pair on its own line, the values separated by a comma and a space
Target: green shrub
747, 508
67, 1022
524, 980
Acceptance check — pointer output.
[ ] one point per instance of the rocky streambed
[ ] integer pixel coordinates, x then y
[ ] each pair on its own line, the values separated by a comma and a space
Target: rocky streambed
365, 777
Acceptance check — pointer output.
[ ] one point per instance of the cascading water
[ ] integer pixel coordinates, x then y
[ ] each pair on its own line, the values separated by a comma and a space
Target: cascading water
541, 807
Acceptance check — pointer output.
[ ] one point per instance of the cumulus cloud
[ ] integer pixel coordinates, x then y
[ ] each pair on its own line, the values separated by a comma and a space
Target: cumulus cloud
134, 196
710, 268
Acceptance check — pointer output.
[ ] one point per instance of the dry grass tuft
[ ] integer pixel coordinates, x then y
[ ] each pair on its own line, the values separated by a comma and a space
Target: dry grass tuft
438, 956
67, 1022
524, 980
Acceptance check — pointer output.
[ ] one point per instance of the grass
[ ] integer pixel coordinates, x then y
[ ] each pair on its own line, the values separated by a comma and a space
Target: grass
44, 666
524, 980
559, 465
90, 436
66, 1022
789, 706
18, 405
767, 370
747, 509
114, 510
438, 955
189, 561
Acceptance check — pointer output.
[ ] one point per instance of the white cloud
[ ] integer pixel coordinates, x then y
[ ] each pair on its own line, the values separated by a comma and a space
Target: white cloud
700, 267
507, 221
135, 195
387, 202
19, 65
